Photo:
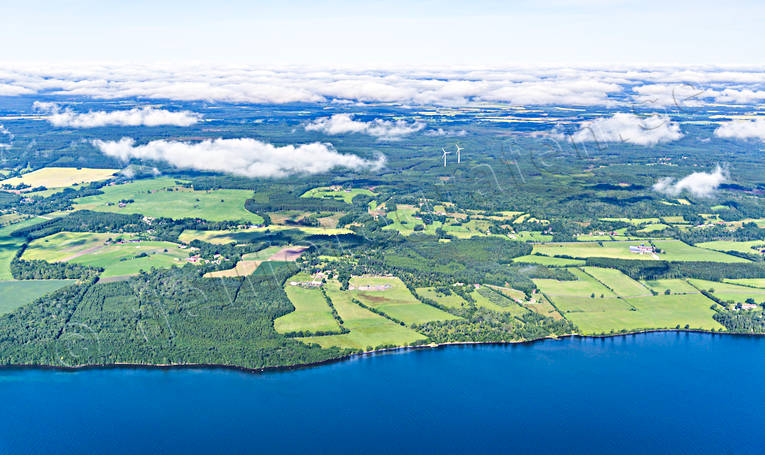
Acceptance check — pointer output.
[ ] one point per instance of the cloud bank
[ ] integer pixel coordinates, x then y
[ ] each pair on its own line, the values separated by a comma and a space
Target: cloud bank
146, 116
381, 129
8, 134
440, 132
623, 127
651, 86
245, 157
699, 184
742, 129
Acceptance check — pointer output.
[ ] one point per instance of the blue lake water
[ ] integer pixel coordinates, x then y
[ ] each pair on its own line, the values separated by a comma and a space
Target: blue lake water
661, 393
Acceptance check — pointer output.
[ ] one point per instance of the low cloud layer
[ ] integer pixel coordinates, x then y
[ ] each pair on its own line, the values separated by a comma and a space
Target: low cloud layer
5, 135
630, 128
381, 129
440, 132
245, 157
742, 129
146, 116
675, 87
699, 184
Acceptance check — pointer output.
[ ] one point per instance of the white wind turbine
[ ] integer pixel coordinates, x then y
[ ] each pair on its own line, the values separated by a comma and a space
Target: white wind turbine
444, 156
458, 151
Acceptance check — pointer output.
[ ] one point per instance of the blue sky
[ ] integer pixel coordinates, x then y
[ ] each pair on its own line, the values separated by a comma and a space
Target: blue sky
385, 33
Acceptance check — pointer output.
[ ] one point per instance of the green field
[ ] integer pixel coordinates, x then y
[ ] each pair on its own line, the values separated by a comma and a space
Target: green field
14, 294
751, 247
674, 250
406, 217
547, 260
675, 286
396, 301
312, 314
754, 282
618, 282
494, 300
584, 286
9, 245
94, 249
162, 197
638, 310
345, 195
728, 292
486, 297
367, 329
653, 227
452, 301
656, 312
531, 236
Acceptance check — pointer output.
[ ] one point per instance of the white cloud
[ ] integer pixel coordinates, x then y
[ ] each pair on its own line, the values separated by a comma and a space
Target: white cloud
675, 87
146, 116
382, 129
442, 132
742, 129
699, 184
623, 127
8, 134
246, 157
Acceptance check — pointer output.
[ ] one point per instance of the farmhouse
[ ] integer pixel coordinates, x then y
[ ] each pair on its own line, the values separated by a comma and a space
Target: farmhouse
641, 249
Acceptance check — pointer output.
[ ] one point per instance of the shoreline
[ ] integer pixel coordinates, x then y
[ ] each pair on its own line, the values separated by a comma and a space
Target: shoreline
278, 369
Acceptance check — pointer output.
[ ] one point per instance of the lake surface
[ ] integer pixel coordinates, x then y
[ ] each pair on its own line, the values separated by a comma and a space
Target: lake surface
662, 393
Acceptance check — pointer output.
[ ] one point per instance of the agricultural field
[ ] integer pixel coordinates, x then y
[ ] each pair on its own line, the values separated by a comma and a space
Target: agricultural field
60, 177
341, 194
312, 313
583, 286
673, 250
728, 292
751, 247
653, 227
367, 329
674, 286
531, 236
97, 250
753, 282
9, 245
163, 197
618, 282
390, 295
14, 294
548, 261
545, 308
494, 300
661, 311
247, 235
406, 217
451, 301
250, 262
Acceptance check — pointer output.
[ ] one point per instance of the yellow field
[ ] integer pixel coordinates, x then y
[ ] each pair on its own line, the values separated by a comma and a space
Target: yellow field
58, 177
242, 268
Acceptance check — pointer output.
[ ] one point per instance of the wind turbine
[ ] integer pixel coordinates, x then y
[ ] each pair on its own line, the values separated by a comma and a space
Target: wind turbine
458, 151
445, 153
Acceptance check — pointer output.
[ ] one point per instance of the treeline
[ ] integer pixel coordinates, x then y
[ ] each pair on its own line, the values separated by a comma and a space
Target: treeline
747, 232
654, 270
42, 270
742, 321
482, 325
89, 221
276, 201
